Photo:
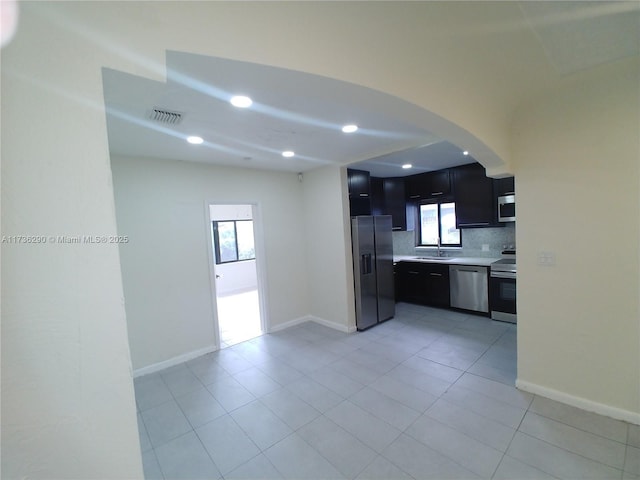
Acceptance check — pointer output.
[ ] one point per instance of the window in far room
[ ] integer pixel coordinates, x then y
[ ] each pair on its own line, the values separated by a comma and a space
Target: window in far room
233, 241
438, 221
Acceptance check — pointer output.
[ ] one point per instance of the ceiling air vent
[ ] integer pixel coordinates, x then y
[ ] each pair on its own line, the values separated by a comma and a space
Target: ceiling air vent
165, 116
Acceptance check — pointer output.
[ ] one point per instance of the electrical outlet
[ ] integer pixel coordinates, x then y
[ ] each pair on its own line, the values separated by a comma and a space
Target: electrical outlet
546, 259
485, 247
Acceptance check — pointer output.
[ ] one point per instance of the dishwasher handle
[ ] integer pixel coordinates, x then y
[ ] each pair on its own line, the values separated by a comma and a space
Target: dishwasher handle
468, 269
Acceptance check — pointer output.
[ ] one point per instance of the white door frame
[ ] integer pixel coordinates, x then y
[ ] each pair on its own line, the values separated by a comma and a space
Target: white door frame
258, 234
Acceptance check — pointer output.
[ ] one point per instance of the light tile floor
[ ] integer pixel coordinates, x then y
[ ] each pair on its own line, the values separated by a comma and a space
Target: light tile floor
427, 395
238, 317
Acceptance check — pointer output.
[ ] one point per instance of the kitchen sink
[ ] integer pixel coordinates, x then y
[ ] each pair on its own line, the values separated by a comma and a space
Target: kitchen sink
435, 259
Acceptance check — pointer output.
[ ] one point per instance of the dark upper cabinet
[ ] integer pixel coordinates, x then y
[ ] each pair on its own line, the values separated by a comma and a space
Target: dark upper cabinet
359, 183
395, 204
378, 200
474, 193
474, 197
428, 185
504, 186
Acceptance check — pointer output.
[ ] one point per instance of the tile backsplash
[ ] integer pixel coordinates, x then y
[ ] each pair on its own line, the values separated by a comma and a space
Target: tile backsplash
473, 239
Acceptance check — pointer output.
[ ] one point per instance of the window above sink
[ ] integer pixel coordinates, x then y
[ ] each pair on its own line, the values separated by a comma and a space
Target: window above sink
438, 225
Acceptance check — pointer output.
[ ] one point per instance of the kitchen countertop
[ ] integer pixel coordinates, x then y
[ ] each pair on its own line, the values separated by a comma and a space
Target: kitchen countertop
477, 261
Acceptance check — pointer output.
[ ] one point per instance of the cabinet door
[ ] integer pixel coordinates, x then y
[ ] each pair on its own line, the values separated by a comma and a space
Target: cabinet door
410, 282
504, 186
423, 283
413, 187
473, 193
359, 192
428, 185
439, 183
378, 200
396, 204
359, 183
437, 285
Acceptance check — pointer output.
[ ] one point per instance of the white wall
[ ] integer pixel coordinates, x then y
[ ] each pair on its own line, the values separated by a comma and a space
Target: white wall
576, 159
328, 235
236, 277
68, 409
230, 212
163, 206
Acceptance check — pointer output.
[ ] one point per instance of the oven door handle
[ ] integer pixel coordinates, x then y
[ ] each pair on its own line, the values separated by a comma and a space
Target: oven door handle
509, 275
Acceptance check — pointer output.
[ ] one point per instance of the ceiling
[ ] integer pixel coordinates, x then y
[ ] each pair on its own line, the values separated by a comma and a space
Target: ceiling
291, 111
304, 113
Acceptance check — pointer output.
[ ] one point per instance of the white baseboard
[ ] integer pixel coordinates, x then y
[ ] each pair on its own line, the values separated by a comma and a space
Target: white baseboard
311, 318
290, 323
336, 326
579, 402
156, 367
185, 357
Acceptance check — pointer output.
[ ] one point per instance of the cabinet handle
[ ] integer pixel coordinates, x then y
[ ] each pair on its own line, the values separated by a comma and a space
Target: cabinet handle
435, 274
364, 194
436, 193
396, 228
414, 196
476, 224
414, 273
508, 193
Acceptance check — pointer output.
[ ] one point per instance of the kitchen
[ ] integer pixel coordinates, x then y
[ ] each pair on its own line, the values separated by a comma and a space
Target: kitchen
566, 129
466, 264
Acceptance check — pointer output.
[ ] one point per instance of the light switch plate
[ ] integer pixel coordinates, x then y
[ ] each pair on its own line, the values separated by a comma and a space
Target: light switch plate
546, 259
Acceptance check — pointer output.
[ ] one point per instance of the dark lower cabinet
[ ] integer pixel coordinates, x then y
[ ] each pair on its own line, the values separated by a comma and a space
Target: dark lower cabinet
423, 283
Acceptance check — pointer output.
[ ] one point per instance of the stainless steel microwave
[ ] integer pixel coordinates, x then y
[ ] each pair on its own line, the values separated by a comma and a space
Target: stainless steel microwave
507, 208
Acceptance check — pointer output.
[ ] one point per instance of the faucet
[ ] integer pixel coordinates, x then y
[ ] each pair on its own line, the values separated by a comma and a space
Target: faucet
440, 253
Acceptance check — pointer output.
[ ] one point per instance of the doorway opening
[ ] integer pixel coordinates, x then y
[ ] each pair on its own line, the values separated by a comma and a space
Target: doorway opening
235, 273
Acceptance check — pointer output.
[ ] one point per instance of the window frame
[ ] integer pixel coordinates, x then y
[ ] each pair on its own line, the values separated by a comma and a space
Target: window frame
216, 242
439, 204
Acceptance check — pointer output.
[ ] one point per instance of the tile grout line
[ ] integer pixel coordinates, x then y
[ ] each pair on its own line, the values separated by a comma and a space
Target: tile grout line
317, 340
515, 432
568, 451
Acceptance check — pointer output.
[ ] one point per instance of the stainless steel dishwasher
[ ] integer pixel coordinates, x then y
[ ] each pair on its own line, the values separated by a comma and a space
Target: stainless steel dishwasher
469, 287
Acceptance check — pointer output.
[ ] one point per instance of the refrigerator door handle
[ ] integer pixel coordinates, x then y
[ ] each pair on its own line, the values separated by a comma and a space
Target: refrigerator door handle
365, 264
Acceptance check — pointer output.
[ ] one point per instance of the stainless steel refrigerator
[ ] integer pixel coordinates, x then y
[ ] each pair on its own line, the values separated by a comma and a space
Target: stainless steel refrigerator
373, 269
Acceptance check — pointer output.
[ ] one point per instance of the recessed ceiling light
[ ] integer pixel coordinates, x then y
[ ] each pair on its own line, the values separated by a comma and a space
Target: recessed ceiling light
350, 128
288, 153
407, 165
241, 101
195, 140
466, 152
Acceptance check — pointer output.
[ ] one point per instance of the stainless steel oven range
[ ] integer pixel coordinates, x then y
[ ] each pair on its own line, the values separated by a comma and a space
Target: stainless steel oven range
502, 290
